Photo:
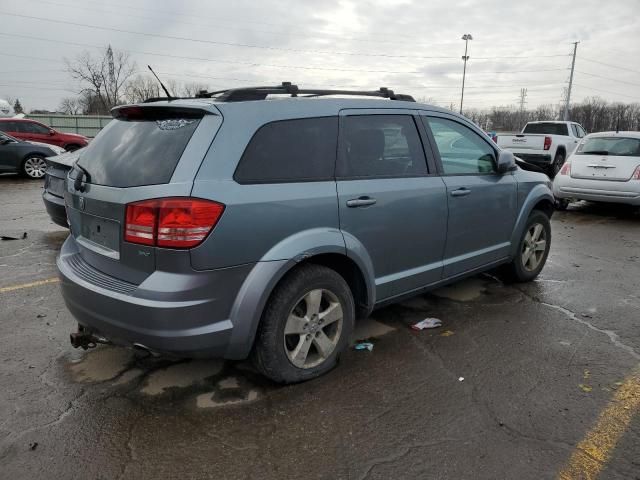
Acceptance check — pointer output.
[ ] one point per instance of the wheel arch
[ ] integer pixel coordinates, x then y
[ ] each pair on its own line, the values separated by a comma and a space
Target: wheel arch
539, 198
321, 247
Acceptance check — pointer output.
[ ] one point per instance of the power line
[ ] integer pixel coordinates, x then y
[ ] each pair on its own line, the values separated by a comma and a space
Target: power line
262, 47
607, 91
608, 78
610, 65
237, 62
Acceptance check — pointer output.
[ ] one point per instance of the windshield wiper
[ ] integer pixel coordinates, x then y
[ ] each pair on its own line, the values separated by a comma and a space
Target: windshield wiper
77, 183
596, 152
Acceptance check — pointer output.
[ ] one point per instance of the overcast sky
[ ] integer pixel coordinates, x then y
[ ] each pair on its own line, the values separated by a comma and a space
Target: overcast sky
335, 43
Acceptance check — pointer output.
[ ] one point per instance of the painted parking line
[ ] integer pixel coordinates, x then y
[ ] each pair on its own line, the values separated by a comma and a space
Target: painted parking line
592, 453
29, 285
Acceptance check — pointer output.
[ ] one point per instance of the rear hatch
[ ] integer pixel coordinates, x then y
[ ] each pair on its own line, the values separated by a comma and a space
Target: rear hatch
146, 152
613, 158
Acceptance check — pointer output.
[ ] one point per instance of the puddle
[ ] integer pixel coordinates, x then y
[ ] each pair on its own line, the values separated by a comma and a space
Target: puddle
369, 328
128, 376
101, 364
181, 375
463, 291
228, 391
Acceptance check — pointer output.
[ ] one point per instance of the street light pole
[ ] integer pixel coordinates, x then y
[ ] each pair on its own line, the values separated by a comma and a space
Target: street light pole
466, 37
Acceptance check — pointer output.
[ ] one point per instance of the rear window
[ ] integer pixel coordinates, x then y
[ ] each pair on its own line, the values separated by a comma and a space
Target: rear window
290, 150
547, 128
141, 151
622, 147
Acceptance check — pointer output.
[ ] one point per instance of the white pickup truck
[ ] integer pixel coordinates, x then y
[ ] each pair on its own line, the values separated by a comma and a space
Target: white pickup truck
546, 144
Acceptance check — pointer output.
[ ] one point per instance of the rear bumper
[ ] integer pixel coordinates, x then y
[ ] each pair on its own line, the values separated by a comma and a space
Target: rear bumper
597, 190
55, 208
535, 158
186, 315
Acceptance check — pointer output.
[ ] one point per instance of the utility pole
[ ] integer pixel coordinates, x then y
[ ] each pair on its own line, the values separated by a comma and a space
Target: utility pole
573, 64
523, 97
466, 37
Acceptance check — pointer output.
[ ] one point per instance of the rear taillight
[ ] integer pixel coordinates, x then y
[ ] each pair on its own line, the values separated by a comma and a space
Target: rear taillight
636, 173
171, 222
547, 143
494, 138
566, 169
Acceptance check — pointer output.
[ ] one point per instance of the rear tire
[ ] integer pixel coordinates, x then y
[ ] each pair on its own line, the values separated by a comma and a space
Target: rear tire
33, 167
72, 147
555, 167
305, 326
532, 253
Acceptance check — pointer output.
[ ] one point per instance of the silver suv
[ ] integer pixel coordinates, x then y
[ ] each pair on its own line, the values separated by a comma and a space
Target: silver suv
241, 224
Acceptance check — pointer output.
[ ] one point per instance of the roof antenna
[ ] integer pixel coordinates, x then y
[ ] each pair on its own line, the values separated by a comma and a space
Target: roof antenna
169, 97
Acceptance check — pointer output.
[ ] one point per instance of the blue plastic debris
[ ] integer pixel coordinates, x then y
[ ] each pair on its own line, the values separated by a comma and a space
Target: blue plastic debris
364, 346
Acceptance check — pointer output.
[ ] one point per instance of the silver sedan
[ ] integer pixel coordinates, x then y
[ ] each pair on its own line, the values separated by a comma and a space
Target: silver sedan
604, 168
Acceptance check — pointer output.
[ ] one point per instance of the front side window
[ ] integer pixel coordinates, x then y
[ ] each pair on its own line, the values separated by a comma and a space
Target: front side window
581, 132
290, 151
30, 127
380, 146
462, 151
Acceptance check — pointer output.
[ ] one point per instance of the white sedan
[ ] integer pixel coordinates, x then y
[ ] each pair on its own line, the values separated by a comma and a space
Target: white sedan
604, 168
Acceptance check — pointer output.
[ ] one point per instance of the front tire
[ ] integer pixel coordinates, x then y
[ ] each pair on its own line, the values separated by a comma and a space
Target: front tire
34, 167
533, 249
306, 325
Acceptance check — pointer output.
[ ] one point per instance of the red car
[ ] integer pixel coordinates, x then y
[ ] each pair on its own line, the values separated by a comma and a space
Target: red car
30, 130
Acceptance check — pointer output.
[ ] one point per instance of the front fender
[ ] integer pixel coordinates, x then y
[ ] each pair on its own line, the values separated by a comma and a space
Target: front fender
537, 194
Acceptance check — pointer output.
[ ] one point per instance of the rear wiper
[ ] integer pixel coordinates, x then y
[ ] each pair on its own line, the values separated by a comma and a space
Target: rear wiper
596, 152
77, 183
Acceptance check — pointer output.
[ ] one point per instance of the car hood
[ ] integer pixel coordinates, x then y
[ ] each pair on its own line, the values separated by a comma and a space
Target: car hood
67, 159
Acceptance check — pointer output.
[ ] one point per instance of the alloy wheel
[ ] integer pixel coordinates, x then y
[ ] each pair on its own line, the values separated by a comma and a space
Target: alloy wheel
534, 247
313, 328
35, 167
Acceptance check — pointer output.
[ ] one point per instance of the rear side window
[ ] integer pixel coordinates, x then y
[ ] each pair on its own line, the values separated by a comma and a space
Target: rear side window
380, 146
8, 127
290, 151
547, 128
145, 151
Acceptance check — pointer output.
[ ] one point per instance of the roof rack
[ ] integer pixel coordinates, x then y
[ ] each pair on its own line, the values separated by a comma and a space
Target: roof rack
287, 88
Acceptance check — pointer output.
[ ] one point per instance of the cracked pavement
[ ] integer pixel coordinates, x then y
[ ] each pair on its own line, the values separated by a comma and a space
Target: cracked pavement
540, 362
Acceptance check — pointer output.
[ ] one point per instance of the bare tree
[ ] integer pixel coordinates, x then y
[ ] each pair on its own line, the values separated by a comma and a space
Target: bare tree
70, 106
104, 76
140, 88
190, 89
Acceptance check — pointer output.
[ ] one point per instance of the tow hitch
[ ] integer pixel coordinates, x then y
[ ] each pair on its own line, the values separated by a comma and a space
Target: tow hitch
85, 339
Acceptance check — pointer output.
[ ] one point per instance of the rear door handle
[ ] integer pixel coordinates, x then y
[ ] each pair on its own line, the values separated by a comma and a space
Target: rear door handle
460, 192
361, 202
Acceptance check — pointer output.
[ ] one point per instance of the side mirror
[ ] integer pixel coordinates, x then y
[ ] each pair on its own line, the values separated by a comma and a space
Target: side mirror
506, 162
52, 132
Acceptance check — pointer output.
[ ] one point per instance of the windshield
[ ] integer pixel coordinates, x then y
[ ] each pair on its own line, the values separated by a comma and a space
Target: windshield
619, 146
129, 153
549, 128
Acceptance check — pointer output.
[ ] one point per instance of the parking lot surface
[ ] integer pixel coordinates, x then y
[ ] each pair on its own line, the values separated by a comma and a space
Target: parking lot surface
530, 381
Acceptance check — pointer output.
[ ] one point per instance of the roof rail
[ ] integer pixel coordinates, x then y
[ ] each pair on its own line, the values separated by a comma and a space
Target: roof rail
287, 88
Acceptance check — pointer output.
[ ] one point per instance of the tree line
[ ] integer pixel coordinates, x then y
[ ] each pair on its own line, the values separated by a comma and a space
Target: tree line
110, 79
594, 114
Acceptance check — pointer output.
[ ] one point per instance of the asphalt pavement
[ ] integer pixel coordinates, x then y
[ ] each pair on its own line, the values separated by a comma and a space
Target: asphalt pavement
529, 381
